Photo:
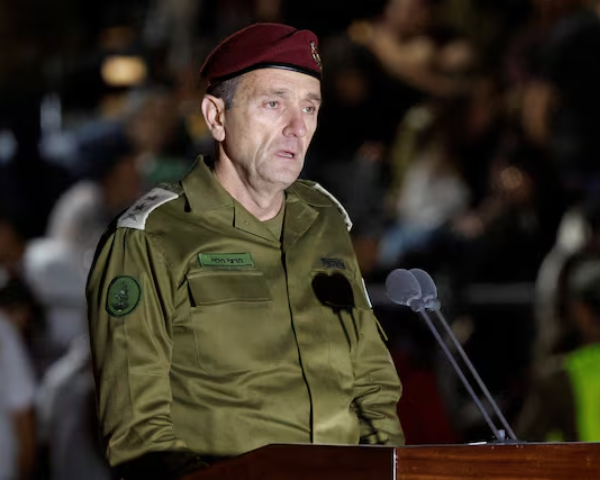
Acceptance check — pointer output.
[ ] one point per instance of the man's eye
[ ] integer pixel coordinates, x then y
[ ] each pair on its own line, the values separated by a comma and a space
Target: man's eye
310, 109
272, 104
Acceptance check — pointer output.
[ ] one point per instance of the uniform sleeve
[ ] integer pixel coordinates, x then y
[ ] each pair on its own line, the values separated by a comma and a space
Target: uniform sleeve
130, 303
377, 386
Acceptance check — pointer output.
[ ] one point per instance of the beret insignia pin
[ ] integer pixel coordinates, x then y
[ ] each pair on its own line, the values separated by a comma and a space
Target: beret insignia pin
315, 55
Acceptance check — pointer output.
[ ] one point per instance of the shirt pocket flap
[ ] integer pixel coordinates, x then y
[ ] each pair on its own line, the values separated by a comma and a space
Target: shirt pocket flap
339, 290
214, 287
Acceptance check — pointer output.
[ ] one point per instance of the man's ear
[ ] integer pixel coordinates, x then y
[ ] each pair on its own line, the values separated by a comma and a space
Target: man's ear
213, 110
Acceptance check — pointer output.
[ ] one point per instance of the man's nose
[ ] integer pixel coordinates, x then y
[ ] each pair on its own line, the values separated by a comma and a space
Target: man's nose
295, 126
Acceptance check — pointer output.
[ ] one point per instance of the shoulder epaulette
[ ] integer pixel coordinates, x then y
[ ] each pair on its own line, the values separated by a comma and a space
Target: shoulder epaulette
137, 215
314, 194
337, 203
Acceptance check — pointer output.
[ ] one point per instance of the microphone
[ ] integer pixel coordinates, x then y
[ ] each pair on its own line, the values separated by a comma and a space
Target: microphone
429, 292
428, 288
403, 288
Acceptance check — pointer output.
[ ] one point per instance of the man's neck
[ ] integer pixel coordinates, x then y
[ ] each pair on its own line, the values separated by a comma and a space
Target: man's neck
263, 203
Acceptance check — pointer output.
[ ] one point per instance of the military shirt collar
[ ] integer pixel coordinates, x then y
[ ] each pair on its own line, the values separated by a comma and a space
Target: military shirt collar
202, 190
303, 190
205, 194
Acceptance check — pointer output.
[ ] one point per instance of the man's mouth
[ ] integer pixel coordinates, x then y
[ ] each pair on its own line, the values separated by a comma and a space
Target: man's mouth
286, 154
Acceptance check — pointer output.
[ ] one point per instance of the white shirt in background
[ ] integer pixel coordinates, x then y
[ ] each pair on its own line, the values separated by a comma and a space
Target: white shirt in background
17, 393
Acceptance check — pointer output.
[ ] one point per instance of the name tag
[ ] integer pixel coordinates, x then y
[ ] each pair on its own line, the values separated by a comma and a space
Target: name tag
226, 260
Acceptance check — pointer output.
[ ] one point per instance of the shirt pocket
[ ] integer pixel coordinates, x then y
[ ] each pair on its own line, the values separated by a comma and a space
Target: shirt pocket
228, 286
232, 321
341, 300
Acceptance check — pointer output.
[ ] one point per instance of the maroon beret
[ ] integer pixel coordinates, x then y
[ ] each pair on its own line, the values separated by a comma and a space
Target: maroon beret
264, 45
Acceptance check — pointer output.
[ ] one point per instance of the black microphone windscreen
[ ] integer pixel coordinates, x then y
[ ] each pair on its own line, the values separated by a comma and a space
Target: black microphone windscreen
402, 287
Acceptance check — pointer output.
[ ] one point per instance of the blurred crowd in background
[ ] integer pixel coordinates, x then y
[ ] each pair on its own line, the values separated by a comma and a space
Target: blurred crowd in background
462, 136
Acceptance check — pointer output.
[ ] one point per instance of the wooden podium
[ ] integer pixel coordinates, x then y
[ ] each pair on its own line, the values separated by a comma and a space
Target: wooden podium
564, 461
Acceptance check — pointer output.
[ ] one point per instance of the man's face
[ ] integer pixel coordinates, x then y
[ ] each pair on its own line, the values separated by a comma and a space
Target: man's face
270, 125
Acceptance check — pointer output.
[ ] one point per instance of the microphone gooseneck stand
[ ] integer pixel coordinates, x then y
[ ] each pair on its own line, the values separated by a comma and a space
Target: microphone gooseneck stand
416, 290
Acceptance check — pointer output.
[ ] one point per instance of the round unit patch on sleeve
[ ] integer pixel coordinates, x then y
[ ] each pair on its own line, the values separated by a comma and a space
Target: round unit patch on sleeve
123, 296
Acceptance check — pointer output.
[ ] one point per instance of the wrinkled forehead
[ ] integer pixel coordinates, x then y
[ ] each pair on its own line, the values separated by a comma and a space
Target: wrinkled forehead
284, 83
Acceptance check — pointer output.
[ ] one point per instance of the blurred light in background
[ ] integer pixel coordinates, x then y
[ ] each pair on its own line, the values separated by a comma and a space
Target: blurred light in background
51, 114
8, 146
123, 71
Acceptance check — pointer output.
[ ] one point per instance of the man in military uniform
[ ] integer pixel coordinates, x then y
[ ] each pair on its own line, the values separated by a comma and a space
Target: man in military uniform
228, 312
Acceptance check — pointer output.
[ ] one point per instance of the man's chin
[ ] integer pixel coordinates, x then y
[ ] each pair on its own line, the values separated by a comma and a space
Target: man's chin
284, 178
284, 183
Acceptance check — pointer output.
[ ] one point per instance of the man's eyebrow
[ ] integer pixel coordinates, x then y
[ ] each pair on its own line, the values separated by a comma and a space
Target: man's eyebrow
286, 92
314, 97
278, 92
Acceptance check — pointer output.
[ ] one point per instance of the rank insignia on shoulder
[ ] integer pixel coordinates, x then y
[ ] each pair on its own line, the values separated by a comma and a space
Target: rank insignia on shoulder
123, 296
333, 263
337, 203
137, 215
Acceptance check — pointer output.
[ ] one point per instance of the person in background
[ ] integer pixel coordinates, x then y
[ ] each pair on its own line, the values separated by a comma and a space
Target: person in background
19, 305
377, 70
67, 422
12, 245
561, 105
564, 401
110, 181
17, 426
578, 237
228, 312
56, 278
158, 132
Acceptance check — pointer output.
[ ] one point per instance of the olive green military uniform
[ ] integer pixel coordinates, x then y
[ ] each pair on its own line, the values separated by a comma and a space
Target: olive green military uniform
209, 334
